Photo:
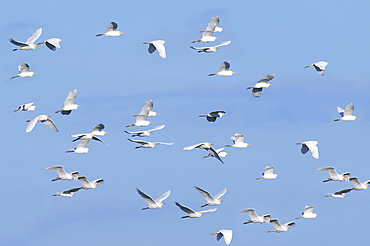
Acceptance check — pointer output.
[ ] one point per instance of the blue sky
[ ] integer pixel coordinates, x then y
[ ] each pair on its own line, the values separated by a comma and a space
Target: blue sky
116, 76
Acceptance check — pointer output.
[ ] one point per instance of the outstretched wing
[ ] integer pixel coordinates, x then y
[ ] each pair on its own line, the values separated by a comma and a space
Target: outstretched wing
34, 36
267, 78
208, 210
24, 68
83, 143
257, 92
349, 110
184, 208
211, 26
224, 66
223, 43
32, 124
313, 148
138, 141
220, 194
112, 26
17, 43
162, 197
159, 45
157, 128
213, 153
330, 170
98, 128
204, 193
70, 98
147, 108
98, 139
146, 197
50, 123
60, 170
340, 111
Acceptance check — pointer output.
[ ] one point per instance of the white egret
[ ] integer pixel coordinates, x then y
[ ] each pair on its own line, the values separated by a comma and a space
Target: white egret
52, 43
319, 66
211, 117
207, 147
97, 131
111, 30
62, 174
312, 146
227, 234
153, 204
254, 217
219, 152
211, 201
269, 173
238, 140
28, 45
145, 133
210, 49
339, 194
211, 27
145, 144
81, 147
191, 213
308, 213
334, 176
43, 119
90, 184
262, 83
67, 193
281, 228
69, 103
26, 107
359, 185
157, 45
346, 113
223, 70
24, 71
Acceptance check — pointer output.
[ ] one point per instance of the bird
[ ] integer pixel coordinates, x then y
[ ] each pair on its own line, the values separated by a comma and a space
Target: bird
312, 146
268, 174
191, 213
157, 45
145, 144
67, 193
339, 194
111, 30
262, 83
147, 109
334, 176
219, 152
145, 133
212, 117
281, 228
254, 217
215, 20
97, 131
227, 234
238, 140
63, 175
223, 70
308, 213
210, 49
43, 119
52, 43
153, 204
81, 147
89, 184
24, 71
26, 107
69, 103
207, 34
319, 66
211, 201
207, 147
359, 185
346, 113
28, 45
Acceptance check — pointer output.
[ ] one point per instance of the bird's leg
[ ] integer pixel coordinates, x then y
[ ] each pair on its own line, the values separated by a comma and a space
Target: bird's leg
204, 205
247, 222
145, 208
55, 179
326, 180
15, 49
186, 216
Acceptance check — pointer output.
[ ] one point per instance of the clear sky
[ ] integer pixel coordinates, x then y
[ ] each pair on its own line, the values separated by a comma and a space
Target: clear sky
116, 76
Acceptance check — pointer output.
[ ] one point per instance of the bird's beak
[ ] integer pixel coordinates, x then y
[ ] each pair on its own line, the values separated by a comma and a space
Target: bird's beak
96, 184
318, 142
150, 121
105, 132
288, 227
34, 73
36, 45
317, 214
216, 48
329, 63
226, 153
155, 143
201, 213
248, 144
270, 84
61, 39
233, 71
277, 174
367, 185
89, 148
356, 117
223, 29
211, 144
79, 105
163, 203
166, 42
221, 200
216, 37
36, 106
150, 132
73, 193
121, 32
48, 116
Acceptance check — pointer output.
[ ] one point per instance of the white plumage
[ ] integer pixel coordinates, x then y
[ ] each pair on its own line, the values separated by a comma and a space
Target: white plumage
211, 201
312, 146
153, 204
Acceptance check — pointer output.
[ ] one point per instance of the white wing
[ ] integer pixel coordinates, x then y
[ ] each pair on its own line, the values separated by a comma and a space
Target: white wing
228, 235
184, 208
213, 153
330, 170
163, 143
291, 224
220, 194
267, 78
112, 26
60, 170
70, 98
276, 223
83, 143
223, 43
147, 108
355, 181
211, 26
205, 194
269, 170
34, 36
349, 110
159, 45
340, 111
50, 123
138, 141
157, 128
193, 146
313, 148
146, 197
24, 68
98, 128
308, 209
84, 180
99, 181
238, 138
224, 66
32, 124
54, 42
162, 197
251, 212
208, 210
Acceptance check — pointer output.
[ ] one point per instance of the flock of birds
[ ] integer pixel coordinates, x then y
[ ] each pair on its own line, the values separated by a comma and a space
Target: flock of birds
147, 111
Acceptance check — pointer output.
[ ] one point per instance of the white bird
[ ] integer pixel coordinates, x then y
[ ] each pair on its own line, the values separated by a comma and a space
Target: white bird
63, 175
97, 131
147, 109
207, 147
227, 234
28, 45
43, 119
81, 147
210, 49
145, 133
69, 103
211, 201
346, 113
223, 70
312, 146
269, 173
24, 71
153, 204
67, 193
308, 213
334, 176
52, 43
359, 185
339, 194
26, 107
262, 83
280, 228
211, 117
238, 140
219, 152
157, 45
211, 27
191, 213
215, 20
254, 217
111, 30
145, 144
319, 66
90, 184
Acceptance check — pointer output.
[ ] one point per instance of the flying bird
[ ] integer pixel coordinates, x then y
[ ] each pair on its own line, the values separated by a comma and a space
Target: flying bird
312, 146
238, 140
207, 147
26, 107
254, 217
69, 103
281, 228
262, 83
191, 213
62, 174
308, 213
227, 234
52, 43
211, 201
359, 185
67, 193
81, 147
346, 113
97, 131
145, 133
339, 194
153, 204
28, 45
145, 144
223, 70
111, 30
219, 152
43, 119
24, 71
212, 117
210, 49
269, 173
334, 176
319, 66
211, 27
89, 184
157, 45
